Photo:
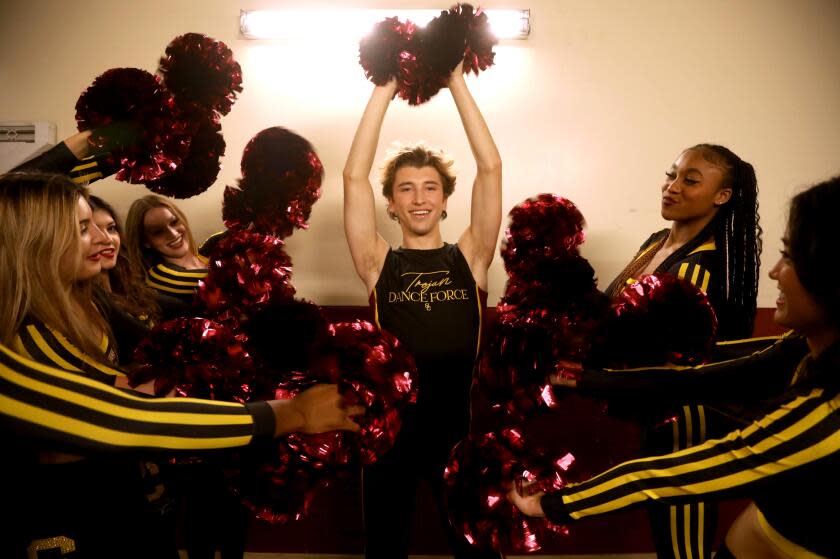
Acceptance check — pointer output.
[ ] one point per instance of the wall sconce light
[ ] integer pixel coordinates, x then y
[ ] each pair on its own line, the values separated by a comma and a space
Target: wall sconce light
355, 24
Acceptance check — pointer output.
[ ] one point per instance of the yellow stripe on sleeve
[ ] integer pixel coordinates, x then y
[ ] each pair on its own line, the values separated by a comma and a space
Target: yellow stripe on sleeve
695, 274
101, 367
822, 448
155, 275
682, 271
705, 285
161, 287
48, 351
168, 270
75, 427
133, 414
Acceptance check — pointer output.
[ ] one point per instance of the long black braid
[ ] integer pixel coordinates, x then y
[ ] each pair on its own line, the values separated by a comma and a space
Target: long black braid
737, 234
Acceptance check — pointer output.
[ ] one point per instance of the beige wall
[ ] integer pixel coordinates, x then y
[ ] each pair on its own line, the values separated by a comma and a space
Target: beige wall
595, 105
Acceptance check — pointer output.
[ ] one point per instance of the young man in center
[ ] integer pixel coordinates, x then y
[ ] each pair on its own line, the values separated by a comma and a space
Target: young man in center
428, 293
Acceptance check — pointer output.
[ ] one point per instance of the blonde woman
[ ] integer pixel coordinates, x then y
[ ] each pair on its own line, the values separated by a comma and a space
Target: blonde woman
50, 250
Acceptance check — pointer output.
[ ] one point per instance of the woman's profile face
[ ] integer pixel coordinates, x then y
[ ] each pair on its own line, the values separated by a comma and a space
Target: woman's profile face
164, 232
83, 261
796, 308
106, 223
693, 188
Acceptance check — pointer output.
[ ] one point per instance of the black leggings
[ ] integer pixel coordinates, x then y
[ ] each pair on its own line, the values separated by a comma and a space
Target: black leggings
389, 488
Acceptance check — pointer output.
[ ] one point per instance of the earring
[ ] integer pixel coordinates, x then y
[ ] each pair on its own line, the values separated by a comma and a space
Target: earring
443, 215
392, 215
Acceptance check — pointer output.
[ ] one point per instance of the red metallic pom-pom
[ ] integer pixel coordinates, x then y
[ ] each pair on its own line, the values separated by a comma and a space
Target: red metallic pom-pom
543, 229
641, 330
131, 95
247, 271
419, 79
422, 59
480, 472
201, 74
525, 347
199, 169
198, 358
380, 51
480, 39
374, 370
275, 485
281, 181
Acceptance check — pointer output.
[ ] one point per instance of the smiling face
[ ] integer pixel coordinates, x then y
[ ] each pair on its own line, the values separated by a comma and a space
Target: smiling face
106, 223
418, 200
796, 308
164, 232
83, 261
693, 189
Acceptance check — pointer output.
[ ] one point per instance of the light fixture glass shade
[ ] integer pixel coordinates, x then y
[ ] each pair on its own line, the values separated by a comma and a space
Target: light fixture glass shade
355, 24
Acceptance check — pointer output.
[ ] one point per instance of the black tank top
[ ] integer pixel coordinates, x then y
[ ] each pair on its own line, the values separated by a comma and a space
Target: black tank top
429, 300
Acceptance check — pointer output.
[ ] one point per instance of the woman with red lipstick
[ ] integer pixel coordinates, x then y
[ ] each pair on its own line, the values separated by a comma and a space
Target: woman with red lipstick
710, 197
92, 506
786, 459
50, 316
160, 241
428, 293
119, 278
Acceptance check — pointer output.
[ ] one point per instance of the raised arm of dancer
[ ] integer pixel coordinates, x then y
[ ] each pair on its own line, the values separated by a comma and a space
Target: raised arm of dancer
478, 242
367, 247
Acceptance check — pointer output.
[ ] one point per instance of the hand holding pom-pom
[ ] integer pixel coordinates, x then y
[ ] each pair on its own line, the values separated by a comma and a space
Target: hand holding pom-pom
373, 371
480, 473
131, 95
422, 58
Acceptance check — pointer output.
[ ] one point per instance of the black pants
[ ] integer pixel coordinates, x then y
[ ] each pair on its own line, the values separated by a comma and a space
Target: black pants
88, 509
389, 490
213, 517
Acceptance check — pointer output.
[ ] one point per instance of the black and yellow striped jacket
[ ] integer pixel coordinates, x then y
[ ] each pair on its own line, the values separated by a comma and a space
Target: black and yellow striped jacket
175, 281
59, 159
69, 412
696, 267
749, 370
46, 345
787, 461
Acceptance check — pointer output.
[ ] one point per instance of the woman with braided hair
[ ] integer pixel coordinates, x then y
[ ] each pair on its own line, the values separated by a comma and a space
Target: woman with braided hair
710, 197
784, 458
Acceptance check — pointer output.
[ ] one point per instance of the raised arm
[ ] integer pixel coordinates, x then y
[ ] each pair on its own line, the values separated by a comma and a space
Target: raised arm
367, 247
478, 242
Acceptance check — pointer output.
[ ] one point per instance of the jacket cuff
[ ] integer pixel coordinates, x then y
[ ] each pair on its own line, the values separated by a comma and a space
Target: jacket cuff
264, 423
554, 508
